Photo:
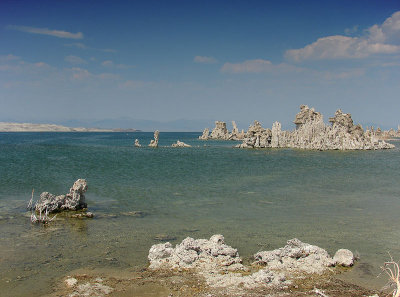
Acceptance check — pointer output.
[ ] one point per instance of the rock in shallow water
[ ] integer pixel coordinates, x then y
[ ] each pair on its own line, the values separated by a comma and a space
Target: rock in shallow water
180, 144
154, 142
221, 265
74, 200
344, 257
296, 256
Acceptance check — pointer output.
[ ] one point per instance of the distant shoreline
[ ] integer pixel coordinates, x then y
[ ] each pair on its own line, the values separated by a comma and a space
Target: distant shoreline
29, 127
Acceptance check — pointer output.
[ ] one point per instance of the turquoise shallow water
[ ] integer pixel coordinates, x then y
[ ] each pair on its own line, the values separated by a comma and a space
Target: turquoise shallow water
257, 199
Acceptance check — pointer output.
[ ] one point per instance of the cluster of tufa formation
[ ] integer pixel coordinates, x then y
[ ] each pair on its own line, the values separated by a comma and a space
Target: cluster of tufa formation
387, 134
221, 265
74, 200
154, 142
312, 133
221, 132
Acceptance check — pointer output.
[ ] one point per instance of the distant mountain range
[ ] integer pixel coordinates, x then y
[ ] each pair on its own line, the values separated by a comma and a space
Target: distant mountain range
180, 125
29, 127
133, 125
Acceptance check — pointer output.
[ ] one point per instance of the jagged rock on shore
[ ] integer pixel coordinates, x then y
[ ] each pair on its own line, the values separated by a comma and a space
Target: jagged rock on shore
312, 133
74, 200
221, 265
296, 256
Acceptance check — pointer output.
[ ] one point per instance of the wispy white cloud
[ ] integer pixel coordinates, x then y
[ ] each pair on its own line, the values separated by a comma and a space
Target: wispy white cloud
107, 50
77, 45
391, 64
111, 64
352, 30
85, 47
9, 57
353, 73
133, 84
257, 66
46, 31
16, 66
74, 60
204, 60
19, 72
80, 73
379, 39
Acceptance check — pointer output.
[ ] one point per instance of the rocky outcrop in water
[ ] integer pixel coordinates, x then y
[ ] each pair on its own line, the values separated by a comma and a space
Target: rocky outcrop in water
386, 134
74, 200
297, 256
154, 142
220, 132
205, 134
257, 137
344, 257
180, 144
196, 253
213, 259
312, 133
221, 265
235, 134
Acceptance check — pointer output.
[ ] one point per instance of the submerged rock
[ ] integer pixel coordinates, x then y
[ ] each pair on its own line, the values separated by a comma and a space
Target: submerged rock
83, 215
154, 142
312, 133
164, 237
91, 289
74, 200
180, 144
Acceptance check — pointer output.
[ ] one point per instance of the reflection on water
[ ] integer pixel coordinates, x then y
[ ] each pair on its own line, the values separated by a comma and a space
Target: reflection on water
257, 198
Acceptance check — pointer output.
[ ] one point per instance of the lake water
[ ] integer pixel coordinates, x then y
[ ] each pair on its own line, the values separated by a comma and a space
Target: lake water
257, 199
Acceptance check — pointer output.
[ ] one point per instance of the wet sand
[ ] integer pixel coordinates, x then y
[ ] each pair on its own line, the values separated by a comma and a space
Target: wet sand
147, 283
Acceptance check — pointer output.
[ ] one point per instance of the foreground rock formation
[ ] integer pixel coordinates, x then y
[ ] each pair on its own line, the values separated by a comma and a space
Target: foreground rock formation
221, 265
220, 132
312, 133
154, 142
74, 200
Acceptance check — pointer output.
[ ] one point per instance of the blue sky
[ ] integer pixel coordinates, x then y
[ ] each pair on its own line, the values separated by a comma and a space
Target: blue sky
118, 62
